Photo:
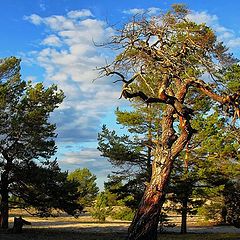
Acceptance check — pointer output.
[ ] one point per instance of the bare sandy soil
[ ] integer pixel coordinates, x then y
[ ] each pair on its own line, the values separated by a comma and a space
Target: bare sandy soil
86, 228
83, 223
87, 224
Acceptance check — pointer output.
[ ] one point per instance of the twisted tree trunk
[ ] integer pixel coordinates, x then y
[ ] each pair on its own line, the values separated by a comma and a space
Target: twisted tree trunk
145, 223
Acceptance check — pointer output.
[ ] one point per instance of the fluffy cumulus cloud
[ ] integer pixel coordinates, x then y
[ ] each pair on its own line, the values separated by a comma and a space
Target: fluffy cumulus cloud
89, 158
52, 40
228, 36
34, 18
80, 14
86, 157
69, 56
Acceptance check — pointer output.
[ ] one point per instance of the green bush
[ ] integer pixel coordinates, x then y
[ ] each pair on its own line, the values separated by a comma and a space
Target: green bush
212, 211
101, 209
123, 213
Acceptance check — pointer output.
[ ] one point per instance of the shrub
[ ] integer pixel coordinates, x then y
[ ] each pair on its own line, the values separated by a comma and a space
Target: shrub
123, 213
101, 209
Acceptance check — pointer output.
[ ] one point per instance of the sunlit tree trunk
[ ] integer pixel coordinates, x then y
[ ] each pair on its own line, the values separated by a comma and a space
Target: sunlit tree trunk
145, 223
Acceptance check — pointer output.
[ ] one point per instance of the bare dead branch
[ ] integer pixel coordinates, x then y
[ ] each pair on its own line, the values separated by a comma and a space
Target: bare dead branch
117, 73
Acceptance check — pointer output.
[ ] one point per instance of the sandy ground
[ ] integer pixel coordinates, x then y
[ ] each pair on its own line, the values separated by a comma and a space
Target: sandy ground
86, 223
48, 230
86, 228
207, 229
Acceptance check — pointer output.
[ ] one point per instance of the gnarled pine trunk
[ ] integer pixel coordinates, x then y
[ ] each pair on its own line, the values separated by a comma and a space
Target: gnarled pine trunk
145, 223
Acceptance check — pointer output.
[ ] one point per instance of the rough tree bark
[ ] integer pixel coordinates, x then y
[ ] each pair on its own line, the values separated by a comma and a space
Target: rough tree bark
145, 223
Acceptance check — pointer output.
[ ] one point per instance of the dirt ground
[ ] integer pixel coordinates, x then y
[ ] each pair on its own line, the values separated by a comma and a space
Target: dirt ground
86, 228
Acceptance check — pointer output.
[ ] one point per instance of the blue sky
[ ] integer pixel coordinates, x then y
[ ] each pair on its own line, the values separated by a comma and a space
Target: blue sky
54, 39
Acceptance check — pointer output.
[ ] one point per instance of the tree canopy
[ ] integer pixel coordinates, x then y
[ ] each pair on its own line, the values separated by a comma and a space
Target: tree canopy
166, 60
87, 187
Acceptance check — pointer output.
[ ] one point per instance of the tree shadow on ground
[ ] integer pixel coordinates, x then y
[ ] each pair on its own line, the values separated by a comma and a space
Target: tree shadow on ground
66, 234
63, 234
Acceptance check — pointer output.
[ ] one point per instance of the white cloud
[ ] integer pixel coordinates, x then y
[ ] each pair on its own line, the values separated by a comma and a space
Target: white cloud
203, 17
136, 11
153, 10
52, 40
87, 158
34, 18
69, 56
84, 155
233, 43
58, 23
80, 14
228, 36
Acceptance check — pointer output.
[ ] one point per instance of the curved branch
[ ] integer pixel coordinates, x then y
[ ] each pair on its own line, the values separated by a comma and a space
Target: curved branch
203, 87
229, 100
180, 143
163, 98
119, 74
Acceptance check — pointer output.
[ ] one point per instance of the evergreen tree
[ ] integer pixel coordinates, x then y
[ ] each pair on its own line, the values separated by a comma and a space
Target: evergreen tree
131, 154
27, 142
87, 188
168, 55
103, 206
44, 188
